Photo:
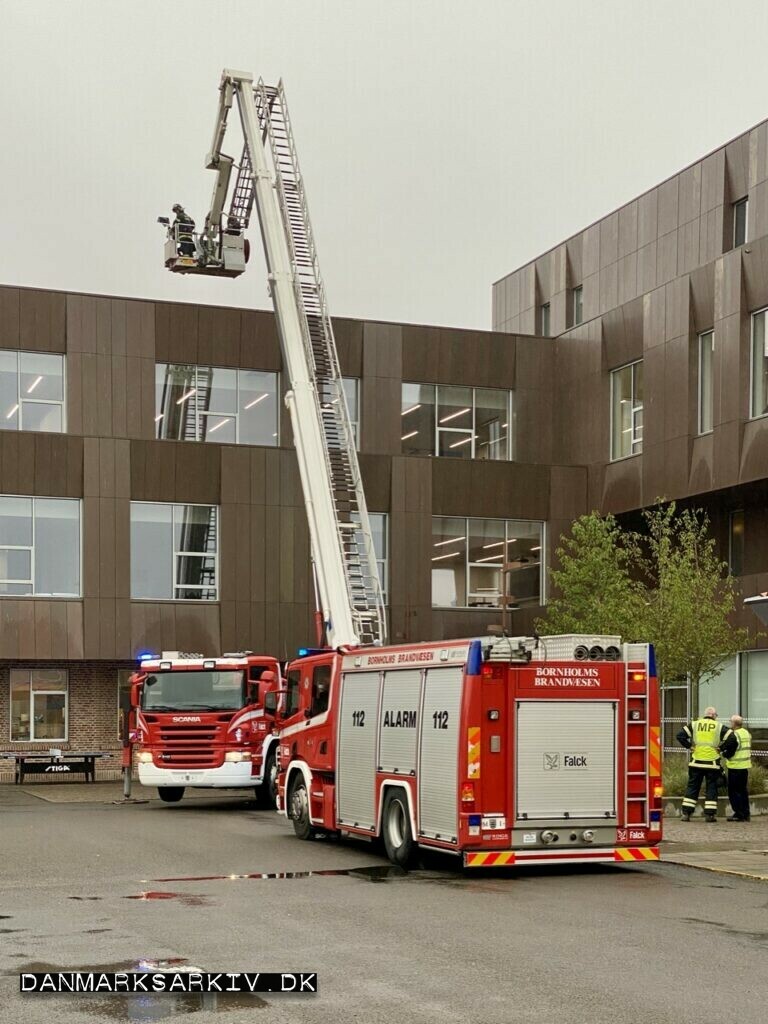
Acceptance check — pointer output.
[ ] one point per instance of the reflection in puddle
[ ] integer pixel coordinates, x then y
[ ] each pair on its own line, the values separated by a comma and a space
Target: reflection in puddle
185, 898
377, 873
147, 1007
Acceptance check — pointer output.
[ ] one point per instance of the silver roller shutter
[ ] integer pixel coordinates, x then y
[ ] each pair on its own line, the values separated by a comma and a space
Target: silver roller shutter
566, 759
438, 758
399, 721
358, 727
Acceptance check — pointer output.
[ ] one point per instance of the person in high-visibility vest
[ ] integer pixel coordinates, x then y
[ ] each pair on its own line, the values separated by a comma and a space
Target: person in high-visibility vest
706, 739
738, 766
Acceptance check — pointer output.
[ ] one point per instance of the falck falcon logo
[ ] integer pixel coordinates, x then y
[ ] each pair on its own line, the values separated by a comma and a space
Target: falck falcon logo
551, 762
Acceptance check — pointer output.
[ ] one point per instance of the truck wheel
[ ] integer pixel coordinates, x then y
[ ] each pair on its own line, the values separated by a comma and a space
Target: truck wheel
299, 810
396, 829
266, 793
171, 794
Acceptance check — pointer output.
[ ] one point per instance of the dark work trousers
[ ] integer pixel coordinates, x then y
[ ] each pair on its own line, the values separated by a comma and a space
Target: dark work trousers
695, 778
738, 791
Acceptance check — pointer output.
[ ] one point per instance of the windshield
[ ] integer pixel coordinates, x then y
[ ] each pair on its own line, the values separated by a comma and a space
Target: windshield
193, 691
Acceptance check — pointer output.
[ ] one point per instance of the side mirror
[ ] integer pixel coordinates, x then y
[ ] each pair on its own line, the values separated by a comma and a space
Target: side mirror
270, 702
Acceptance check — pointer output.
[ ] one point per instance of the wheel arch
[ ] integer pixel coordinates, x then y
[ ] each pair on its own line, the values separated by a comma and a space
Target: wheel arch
386, 787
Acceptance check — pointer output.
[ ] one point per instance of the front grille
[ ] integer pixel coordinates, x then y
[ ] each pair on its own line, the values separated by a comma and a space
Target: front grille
187, 745
190, 757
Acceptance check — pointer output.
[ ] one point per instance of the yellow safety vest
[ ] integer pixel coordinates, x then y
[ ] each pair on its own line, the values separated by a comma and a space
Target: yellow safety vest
743, 756
705, 735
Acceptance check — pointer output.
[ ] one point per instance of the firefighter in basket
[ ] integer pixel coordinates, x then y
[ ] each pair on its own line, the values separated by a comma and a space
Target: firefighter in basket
707, 740
184, 226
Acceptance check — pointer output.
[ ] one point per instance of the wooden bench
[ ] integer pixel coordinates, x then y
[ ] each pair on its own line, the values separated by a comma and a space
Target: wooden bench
69, 763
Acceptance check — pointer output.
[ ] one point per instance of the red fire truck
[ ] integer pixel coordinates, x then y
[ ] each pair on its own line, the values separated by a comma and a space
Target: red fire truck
503, 751
201, 722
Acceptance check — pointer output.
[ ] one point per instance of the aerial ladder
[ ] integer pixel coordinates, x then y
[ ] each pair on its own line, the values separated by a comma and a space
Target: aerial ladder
350, 607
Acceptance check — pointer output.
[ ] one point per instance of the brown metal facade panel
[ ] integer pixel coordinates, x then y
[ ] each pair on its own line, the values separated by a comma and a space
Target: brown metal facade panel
218, 336
42, 321
259, 343
10, 317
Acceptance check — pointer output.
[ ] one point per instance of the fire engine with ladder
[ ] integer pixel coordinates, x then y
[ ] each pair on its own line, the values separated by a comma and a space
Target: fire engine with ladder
501, 750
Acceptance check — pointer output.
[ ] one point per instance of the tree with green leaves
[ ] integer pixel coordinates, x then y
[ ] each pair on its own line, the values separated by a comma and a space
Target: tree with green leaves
595, 588
666, 586
691, 597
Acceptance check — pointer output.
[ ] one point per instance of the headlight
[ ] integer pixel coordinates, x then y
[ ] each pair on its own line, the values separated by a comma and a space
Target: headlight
145, 757
237, 755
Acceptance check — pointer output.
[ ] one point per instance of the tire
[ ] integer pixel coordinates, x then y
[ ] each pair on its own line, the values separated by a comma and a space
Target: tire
396, 831
299, 809
266, 793
170, 794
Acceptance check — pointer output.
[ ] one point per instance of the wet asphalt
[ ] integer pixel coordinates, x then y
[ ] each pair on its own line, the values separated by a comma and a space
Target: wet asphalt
222, 886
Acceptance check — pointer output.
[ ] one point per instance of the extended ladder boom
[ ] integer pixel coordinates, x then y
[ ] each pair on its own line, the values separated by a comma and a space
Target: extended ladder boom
343, 553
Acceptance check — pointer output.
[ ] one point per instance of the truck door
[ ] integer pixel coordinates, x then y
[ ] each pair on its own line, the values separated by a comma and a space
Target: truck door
439, 753
358, 732
566, 759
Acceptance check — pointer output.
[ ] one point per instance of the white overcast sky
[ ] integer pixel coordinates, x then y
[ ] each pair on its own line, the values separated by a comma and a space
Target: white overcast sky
443, 143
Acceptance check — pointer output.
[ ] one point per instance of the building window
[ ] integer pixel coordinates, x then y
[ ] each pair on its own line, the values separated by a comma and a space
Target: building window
31, 391
627, 411
39, 547
352, 394
216, 403
578, 305
456, 422
380, 530
174, 552
759, 364
38, 705
736, 543
706, 350
469, 554
754, 696
544, 320
740, 222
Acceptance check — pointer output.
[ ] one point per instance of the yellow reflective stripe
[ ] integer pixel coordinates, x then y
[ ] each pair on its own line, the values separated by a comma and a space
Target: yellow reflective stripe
636, 853
654, 751
473, 752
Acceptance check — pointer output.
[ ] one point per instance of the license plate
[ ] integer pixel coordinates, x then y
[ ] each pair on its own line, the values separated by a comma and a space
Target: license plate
494, 821
187, 776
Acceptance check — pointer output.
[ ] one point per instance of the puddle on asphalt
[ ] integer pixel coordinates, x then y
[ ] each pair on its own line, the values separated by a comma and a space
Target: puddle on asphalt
377, 873
185, 898
84, 897
146, 1006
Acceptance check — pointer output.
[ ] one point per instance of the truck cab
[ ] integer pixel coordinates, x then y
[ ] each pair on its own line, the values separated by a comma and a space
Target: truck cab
202, 722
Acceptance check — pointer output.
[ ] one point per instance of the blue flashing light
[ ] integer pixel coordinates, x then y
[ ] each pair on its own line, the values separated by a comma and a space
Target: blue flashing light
475, 819
475, 658
306, 652
303, 652
146, 655
655, 815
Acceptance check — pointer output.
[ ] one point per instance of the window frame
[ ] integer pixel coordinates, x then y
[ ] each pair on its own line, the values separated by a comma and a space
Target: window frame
32, 549
48, 692
634, 410
175, 555
740, 204
701, 429
577, 303
731, 546
763, 312
545, 312
21, 401
383, 562
468, 565
437, 429
198, 415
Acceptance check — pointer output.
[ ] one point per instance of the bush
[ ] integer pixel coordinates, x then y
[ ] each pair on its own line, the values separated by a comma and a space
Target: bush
675, 776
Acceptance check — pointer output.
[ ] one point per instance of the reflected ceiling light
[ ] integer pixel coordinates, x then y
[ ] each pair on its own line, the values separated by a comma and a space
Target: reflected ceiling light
537, 548
413, 408
490, 558
13, 410
192, 391
503, 425
405, 437
257, 400
158, 418
457, 444
456, 540
498, 544
453, 415
220, 424
439, 558
34, 384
